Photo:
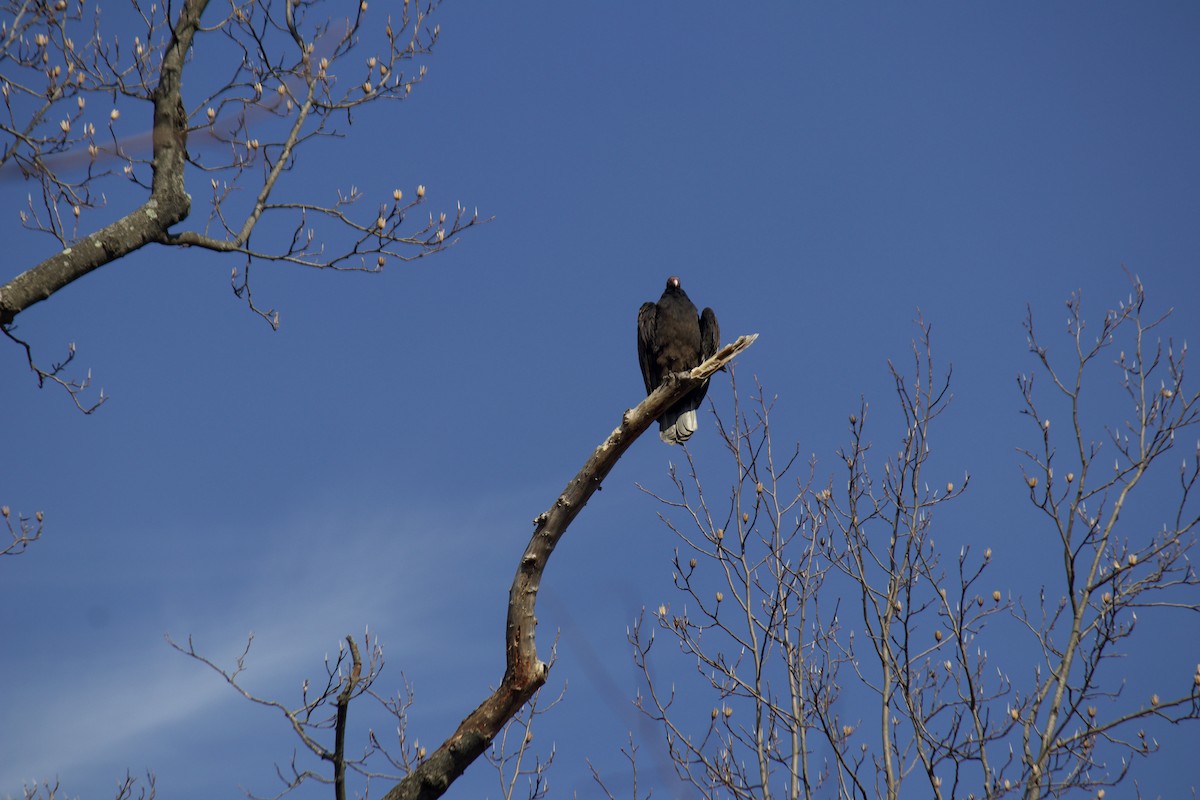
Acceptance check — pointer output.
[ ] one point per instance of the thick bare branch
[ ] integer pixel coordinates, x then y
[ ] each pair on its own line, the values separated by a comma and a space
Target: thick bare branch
167, 205
525, 673
285, 77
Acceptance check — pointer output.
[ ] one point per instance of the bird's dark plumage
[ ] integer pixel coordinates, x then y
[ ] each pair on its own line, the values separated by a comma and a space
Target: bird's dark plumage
672, 337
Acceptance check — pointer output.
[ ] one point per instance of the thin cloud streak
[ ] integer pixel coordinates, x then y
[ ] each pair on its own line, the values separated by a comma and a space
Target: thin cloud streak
92, 711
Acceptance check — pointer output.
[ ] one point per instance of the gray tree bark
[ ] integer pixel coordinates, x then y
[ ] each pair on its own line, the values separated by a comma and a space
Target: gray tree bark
167, 205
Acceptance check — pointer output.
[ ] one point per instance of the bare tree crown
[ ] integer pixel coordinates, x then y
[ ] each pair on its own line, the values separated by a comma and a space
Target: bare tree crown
85, 109
847, 652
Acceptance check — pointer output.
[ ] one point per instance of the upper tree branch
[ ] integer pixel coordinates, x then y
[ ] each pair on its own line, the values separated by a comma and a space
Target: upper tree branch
167, 205
525, 673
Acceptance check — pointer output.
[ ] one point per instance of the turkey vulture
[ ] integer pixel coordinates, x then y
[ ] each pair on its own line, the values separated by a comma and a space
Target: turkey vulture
672, 337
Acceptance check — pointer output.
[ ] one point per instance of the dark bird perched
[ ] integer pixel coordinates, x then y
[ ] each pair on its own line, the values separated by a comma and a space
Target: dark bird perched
673, 338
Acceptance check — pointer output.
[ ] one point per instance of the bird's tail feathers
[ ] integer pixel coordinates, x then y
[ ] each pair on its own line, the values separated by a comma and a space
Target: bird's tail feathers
677, 428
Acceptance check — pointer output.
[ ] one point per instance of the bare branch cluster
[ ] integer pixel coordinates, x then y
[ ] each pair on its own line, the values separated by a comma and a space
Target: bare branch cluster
291, 82
129, 788
22, 531
56, 373
1076, 711
89, 114
53, 59
802, 600
300, 77
320, 718
512, 750
630, 754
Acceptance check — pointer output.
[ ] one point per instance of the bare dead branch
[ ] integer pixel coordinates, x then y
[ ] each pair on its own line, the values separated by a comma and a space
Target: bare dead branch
525, 673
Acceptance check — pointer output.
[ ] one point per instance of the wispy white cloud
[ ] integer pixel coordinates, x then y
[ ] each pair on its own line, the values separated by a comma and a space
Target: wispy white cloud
300, 585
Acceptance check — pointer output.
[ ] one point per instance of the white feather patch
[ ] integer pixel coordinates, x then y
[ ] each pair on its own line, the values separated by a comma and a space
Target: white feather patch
682, 429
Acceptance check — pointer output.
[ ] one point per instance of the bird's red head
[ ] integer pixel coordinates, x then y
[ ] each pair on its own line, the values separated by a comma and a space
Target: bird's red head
673, 282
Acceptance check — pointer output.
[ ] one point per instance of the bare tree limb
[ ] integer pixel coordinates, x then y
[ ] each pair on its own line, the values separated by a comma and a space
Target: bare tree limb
343, 708
846, 651
266, 79
22, 534
167, 205
525, 673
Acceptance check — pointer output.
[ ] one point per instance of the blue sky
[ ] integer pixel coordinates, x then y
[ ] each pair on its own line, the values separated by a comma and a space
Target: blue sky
815, 173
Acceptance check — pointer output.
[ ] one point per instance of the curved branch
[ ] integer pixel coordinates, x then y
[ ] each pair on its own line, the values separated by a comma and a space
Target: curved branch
525, 673
167, 205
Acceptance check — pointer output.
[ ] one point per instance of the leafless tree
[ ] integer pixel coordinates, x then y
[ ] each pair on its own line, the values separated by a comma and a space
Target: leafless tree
266, 79
844, 652
87, 112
